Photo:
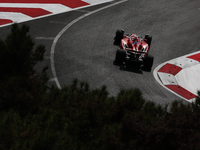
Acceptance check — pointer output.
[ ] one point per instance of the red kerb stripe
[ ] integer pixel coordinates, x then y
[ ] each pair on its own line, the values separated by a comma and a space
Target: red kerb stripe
181, 91
69, 3
170, 68
195, 57
5, 21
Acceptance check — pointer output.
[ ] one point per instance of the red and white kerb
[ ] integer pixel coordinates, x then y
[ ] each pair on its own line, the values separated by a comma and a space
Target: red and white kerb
24, 10
181, 75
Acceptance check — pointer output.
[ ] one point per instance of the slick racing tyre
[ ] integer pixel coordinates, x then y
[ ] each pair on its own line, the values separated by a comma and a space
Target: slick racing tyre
120, 56
118, 37
148, 63
148, 38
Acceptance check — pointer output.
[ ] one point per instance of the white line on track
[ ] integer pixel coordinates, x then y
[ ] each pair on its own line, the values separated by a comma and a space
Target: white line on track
64, 30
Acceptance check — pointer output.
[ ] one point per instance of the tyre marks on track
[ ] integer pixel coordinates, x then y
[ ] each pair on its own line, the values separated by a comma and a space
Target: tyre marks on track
53, 69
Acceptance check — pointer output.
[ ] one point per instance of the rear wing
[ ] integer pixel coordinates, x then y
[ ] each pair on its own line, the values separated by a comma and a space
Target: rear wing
130, 50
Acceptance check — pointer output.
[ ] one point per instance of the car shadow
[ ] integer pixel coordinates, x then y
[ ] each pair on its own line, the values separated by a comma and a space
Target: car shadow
131, 67
116, 43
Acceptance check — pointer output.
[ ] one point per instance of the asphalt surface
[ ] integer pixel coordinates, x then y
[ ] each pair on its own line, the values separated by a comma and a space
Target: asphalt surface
86, 51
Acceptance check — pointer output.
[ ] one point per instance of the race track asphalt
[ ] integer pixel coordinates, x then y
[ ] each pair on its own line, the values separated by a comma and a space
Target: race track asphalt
86, 51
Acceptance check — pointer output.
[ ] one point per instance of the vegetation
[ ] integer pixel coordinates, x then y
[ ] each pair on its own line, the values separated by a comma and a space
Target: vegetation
35, 116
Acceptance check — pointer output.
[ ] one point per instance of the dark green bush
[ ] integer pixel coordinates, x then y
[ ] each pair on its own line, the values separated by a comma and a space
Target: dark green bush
35, 116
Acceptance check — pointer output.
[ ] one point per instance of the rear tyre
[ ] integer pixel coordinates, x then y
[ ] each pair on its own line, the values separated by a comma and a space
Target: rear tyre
120, 56
148, 38
148, 63
118, 37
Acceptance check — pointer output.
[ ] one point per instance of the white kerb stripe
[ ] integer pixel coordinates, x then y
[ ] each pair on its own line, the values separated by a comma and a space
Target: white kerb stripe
94, 2
167, 79
54, 8
15, 17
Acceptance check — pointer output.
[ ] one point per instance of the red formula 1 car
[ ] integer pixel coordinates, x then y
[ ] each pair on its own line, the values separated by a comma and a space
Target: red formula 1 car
133, 48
